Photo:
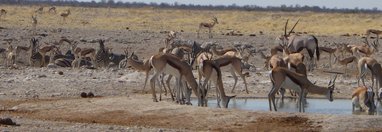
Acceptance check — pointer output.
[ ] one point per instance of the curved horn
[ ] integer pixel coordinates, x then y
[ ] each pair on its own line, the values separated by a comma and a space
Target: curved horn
285, 28
293, 27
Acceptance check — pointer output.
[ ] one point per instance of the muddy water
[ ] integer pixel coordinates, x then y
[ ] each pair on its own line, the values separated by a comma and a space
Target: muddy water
322, 106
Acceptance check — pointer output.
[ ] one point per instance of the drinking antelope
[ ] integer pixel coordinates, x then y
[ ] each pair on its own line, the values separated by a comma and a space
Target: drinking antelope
363, 97
284, 78
209, 26
365, 64
169, 64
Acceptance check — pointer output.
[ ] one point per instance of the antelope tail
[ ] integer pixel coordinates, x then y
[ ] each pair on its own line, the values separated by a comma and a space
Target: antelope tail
317, 49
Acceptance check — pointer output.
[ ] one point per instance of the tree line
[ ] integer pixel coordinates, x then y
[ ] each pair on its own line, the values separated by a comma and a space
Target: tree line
120, 4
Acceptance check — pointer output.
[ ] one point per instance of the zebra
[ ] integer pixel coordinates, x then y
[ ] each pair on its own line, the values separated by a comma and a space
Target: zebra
102, 55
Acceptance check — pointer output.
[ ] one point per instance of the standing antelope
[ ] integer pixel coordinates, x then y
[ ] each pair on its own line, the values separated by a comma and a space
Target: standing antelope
43, 50
374, 31
3, 12
52, 10
331, 52
34, 23
367, 63
169, 64
209, 26
363, 97
284, 78
297, 43
64, 15
347, 61
81, 53
10, 61
39, 10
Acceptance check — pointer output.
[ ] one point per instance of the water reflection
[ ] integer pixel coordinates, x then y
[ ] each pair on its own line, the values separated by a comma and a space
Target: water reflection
323, 106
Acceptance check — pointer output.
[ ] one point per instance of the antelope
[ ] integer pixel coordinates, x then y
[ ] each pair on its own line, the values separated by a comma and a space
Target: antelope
374, 31
367, 63
52, 10
34, 23
331, 52
39, 10
267, 60
64, 15
169, 64
211, 71
347, 61
142, 66
367, 49
363, 97
170, 37
224, 51
43, 50
297, 43
209, 26
80, 53
284, 78
10, 61
236, 68
3, 12
345, 48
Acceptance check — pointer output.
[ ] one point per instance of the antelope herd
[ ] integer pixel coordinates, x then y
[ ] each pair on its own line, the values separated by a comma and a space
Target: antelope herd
178, 58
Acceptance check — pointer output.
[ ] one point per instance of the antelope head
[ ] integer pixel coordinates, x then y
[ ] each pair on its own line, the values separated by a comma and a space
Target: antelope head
331, 87
284, 39
215, 19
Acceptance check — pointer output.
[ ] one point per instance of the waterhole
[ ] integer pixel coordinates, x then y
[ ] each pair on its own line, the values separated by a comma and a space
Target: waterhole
322, 106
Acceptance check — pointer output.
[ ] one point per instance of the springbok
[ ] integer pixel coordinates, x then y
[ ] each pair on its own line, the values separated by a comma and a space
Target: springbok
373, 31
363, 97
297, 43
211, 71
330, 51
3, 12
365, 64
52, 10
209, 26
367, 49
170, 64
284, 78
64, 15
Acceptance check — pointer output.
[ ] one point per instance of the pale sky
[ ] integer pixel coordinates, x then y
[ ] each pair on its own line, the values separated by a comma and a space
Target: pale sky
366, 4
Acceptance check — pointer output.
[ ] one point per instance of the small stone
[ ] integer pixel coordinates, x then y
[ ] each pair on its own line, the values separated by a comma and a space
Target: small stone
90, 94
84, 95
60, 73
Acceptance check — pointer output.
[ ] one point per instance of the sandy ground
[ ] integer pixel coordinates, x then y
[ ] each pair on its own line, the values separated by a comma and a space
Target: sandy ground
39, 99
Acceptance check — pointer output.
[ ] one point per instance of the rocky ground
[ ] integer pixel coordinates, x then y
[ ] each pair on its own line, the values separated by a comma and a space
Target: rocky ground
40, 99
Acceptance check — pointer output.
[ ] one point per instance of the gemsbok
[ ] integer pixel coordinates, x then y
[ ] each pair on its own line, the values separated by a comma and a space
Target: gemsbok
297, 43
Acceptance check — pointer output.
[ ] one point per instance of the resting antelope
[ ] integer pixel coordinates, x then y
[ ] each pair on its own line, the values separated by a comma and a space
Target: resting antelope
209, 26
170, 64
284, 78
363, 97
297, 43
365, 64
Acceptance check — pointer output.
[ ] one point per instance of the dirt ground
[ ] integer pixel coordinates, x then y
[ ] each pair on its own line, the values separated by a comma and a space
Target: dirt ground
39, 99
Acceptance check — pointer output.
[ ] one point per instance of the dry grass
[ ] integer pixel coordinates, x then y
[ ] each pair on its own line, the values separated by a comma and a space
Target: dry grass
168, 19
